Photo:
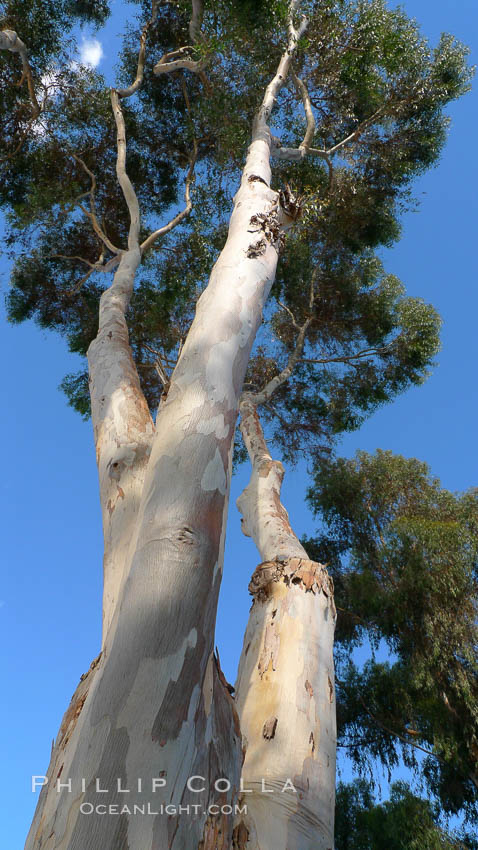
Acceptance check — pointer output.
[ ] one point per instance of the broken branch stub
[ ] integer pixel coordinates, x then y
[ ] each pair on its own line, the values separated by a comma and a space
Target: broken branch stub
309, 575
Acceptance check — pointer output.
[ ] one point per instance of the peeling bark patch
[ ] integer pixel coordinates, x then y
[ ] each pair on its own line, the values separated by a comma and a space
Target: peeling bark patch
255, 178
222, 678
309, 688
176, 701
77, 702
71, 717
265, 467
215, 835
93, 665
270, 650
240, 835
330, 689
214, 425
313, 577
214, 476
256, 249
269, 728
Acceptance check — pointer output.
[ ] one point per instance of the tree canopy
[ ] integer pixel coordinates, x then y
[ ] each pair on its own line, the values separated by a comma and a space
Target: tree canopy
377, 92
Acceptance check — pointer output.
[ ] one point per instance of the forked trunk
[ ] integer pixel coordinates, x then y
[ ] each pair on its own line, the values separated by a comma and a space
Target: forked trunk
153, 724
285, 687
157, 710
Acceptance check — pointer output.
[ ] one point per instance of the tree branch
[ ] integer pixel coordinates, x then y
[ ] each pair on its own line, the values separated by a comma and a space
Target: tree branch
311, 125
401, 737
297, 154
98, 266
294, 358
275, 85
264, 517
91, 214
123, 179
142, 54
9, 40
178, 59
356, 133
287, 310
166, 228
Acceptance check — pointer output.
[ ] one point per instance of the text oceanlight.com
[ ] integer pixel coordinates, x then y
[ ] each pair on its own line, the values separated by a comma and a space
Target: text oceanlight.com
168, 809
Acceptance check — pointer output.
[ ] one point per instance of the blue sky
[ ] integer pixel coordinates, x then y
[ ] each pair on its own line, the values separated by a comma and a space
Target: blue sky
50, 599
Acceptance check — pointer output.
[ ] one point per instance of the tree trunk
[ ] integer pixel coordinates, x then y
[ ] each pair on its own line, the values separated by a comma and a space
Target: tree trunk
285, 686
157, 708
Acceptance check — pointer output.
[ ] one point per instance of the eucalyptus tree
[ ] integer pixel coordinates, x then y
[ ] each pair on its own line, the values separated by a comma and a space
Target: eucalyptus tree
258, 292
403, 553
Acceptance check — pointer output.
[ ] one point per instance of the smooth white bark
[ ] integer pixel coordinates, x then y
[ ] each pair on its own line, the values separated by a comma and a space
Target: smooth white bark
264, 517
123, 429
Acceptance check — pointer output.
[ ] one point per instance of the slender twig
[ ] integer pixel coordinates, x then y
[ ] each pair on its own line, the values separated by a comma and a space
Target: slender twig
73, 257
91, 213
33, 120
166, 228
366, 352
158, 364
76, 288
286, 308
98, 266
98, 230
361, 127
398, 734
401, 737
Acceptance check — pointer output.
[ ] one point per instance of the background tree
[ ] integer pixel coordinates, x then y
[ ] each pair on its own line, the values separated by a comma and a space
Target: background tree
403, 555
377, 129
404, 821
